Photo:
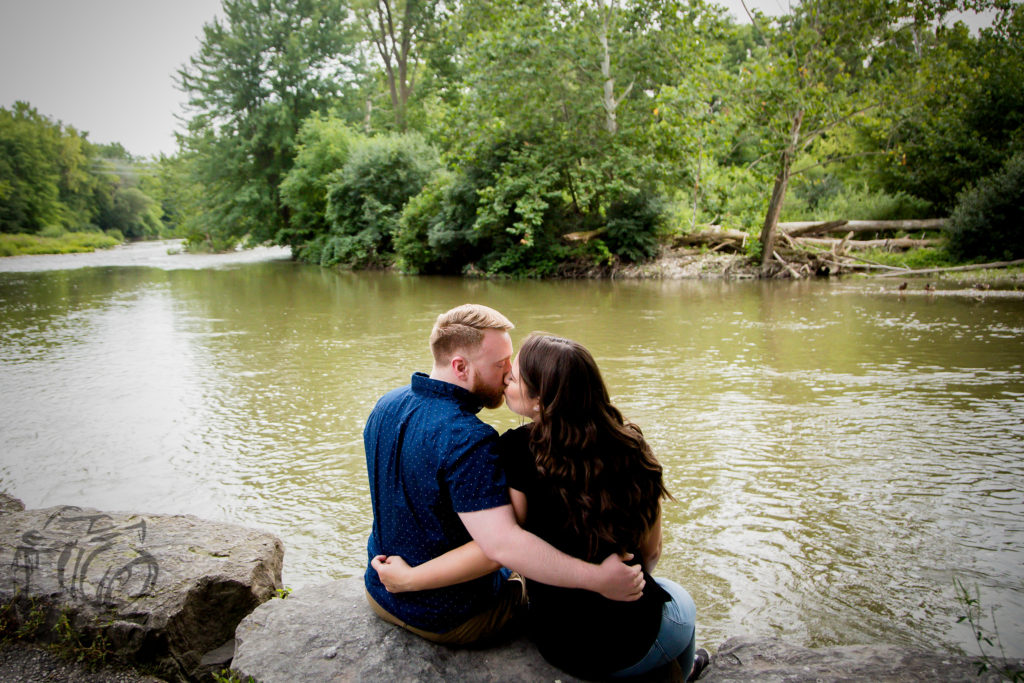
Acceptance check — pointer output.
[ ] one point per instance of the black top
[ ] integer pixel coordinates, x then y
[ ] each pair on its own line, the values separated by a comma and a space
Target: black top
578, 631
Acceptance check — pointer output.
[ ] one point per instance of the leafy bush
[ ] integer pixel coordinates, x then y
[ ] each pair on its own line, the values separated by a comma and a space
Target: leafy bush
734, 197
830, 200
633, 225
134, 213
365, 198
435, 232
53, 231
323, 147
988, 221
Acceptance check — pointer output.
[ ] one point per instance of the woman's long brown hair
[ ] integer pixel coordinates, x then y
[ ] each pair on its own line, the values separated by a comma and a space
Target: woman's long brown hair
600, 466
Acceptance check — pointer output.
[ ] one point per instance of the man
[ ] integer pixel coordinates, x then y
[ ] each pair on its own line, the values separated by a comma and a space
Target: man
435, 485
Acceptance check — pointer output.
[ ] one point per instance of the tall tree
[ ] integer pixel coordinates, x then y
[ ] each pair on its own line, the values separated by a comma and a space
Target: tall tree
47, 175
820, 71
399, 31
258, 73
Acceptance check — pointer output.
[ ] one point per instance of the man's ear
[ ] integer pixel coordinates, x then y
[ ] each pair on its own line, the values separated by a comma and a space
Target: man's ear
460, 366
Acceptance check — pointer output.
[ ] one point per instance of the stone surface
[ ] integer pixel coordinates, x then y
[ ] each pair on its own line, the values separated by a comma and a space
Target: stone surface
328, 633
9, 503
769, 660
161, 591
26, 663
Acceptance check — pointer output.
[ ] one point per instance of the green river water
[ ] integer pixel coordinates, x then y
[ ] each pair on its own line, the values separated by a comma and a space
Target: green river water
839, 453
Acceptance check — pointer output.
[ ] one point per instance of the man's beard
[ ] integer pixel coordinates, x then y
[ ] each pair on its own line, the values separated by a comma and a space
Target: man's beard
489, 396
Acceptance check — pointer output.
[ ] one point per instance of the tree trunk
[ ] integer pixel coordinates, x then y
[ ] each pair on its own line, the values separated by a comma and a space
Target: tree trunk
608, 100
771, 220
893, 243
953, 269
711, 237
394, 45
820, 227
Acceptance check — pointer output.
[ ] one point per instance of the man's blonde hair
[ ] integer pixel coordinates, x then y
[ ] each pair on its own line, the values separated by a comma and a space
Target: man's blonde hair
462, 329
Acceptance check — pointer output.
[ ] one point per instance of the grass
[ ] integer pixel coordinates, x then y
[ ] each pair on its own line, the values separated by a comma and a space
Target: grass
990, 648
68, 243
915, 259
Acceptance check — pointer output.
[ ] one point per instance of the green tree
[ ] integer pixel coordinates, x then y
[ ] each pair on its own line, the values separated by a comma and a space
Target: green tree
399, 32
323, 146
258, 74
29, 192
47, 174
988, 220
823, 67
556, 114
963, 113
134, 213
365, 199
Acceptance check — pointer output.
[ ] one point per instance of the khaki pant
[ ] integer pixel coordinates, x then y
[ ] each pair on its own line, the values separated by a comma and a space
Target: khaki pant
483, 627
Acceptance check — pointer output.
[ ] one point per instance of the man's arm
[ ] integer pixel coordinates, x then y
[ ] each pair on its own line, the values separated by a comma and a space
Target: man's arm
465, 563
505, 542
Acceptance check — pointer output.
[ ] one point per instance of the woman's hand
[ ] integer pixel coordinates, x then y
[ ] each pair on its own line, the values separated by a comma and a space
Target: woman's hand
394, 573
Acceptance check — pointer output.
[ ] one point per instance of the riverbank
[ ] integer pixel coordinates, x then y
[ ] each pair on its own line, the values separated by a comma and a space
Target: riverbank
696, 264
60, 243
673, 263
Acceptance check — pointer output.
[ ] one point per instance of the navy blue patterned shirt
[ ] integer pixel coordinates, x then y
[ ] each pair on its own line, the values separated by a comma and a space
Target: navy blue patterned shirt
429, 457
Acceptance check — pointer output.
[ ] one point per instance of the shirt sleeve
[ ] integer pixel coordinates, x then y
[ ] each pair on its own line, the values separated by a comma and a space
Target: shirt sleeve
515, 458
474, 478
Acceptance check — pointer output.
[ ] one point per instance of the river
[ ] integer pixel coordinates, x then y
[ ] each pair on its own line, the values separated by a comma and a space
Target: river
839, 453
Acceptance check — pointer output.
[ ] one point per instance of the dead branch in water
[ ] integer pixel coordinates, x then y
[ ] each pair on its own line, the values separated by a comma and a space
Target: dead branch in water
951, 269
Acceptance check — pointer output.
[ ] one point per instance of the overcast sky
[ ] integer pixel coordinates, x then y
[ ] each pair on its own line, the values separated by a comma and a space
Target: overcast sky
107, 67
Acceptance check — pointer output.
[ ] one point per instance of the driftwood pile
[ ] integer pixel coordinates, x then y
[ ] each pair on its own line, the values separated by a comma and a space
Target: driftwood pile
804, 249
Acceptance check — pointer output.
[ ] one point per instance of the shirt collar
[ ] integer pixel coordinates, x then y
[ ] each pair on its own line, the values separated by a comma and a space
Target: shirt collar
422, 383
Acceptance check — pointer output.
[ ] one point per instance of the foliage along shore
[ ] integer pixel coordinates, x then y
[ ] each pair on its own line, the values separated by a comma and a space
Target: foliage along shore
21, 244
475, 136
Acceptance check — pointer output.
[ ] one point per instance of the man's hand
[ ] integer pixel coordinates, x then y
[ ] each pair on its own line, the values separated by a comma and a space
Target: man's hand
393, 572
620, 581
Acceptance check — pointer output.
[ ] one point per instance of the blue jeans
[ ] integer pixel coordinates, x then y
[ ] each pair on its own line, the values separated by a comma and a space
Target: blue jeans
677, 638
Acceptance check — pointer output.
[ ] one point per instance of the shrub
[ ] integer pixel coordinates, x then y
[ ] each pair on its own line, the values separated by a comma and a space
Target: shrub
435, 230
323, 147
365, 198
633, 225
988, 221
53, 231
734, 197
829, 200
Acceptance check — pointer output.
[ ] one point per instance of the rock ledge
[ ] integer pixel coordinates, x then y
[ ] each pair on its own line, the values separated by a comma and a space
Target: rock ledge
328, 633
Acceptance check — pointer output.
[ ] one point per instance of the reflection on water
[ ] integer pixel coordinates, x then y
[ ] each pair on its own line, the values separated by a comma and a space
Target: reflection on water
838, 455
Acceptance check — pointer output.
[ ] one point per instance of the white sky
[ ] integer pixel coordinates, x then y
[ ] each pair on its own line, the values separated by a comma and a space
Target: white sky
103, 66
107, 67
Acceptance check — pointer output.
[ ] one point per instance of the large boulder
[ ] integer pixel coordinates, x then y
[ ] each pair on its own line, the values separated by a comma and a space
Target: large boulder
152, 590
770, 660
328, 633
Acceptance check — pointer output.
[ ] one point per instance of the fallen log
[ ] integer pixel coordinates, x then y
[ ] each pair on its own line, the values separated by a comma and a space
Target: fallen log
711, 238
584, 235
951, 269
799, 228
892, 243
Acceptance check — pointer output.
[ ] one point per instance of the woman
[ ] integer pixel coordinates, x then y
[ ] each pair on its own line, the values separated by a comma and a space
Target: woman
584, 480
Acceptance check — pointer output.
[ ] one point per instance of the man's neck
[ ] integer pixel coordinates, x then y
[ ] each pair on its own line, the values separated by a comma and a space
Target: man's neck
445, 374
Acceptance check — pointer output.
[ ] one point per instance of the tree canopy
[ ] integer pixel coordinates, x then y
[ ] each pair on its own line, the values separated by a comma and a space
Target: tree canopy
541, 137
